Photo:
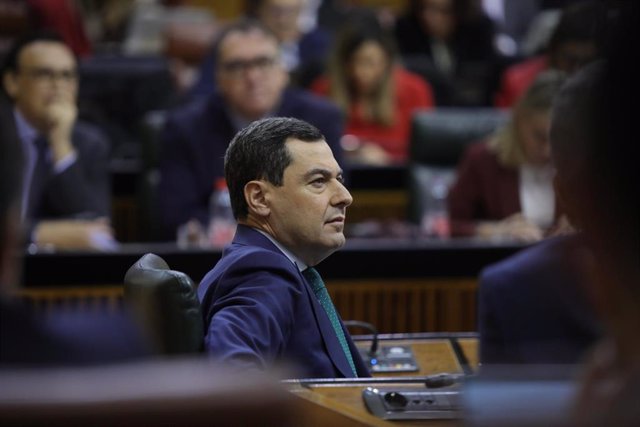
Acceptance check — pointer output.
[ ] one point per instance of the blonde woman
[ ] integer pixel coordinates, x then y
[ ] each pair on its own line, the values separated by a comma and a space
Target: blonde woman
504, 186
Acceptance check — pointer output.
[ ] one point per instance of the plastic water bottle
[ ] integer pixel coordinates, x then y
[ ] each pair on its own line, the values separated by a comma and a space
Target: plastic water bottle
222, 224
435, 220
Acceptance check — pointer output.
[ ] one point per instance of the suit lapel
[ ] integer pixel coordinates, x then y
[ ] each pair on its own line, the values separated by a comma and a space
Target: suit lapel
334, 349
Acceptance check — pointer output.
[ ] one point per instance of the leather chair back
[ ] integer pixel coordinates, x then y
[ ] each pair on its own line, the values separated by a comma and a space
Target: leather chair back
438, 140
166, 304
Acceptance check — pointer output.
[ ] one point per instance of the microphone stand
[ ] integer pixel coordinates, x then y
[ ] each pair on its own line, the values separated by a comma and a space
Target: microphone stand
373, 350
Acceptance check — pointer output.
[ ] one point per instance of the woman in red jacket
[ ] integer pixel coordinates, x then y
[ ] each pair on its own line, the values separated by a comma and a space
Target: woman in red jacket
377, 95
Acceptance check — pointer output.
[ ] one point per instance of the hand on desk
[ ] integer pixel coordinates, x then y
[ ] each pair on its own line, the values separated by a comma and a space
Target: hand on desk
516, 227
363, 152
95, 234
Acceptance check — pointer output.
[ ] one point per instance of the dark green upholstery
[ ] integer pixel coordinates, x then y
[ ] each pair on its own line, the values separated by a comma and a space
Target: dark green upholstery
165, 303
438, 139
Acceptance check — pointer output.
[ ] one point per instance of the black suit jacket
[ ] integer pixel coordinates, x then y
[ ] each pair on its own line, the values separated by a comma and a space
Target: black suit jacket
194, 142
82, 190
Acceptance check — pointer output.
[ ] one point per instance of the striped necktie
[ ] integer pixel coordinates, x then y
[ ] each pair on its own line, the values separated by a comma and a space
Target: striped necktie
320, 290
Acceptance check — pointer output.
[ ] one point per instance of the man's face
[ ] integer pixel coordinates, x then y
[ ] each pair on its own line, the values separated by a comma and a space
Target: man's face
438, 17
249, 73
282, 16
307, 213
46, 74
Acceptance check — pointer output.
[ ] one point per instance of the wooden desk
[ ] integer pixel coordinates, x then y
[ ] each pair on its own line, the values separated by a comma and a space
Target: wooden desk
434, 352
340, 402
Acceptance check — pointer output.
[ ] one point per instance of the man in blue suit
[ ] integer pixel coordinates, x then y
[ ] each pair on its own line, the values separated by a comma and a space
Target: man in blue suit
262, 304
251, 83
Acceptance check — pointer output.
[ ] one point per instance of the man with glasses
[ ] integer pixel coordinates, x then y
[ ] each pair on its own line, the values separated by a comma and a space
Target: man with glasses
66, 196
252, 83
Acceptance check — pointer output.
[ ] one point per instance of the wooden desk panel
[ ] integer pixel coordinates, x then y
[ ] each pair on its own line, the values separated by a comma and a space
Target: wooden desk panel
408, 305
398, 285
402, 306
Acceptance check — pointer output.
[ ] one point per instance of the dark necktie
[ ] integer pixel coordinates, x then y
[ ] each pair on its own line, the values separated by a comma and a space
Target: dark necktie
320, 290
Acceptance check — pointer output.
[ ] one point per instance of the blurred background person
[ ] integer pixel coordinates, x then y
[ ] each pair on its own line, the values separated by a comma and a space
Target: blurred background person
66, 196
504, 186
303, 51
457, 39
252, 83
376, 94
535, 307
575, 41
27, 338
593, 134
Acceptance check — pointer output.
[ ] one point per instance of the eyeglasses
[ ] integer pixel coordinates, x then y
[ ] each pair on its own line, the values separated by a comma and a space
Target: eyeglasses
48, 75
237, 69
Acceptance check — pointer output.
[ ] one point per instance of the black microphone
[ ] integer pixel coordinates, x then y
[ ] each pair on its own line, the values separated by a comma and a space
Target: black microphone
373, 350
444, 379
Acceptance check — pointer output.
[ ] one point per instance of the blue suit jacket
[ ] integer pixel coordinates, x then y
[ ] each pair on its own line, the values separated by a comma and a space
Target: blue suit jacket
259, 311
194, 142
533, 305
27, 339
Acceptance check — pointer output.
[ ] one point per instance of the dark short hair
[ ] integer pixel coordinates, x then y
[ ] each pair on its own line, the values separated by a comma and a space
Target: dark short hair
584, 21
243, 25
10, 63
259, 152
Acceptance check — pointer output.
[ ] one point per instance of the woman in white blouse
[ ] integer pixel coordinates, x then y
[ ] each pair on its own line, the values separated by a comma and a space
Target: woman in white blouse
504, 186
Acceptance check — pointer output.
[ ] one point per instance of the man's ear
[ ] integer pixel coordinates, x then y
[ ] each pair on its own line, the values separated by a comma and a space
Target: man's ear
255, 193
10, 84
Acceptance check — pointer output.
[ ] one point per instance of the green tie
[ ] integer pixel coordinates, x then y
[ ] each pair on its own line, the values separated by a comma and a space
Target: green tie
324, 298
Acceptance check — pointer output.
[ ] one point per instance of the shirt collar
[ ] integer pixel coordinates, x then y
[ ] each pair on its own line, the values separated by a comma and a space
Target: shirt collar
26, 132
294, 259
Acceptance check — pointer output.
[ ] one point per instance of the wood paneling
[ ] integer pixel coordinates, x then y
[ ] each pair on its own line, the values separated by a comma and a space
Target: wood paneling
420, 305
95, 298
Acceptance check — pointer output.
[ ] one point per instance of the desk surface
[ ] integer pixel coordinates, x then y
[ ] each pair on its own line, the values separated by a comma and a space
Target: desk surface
359, 259
434, 352
340, 402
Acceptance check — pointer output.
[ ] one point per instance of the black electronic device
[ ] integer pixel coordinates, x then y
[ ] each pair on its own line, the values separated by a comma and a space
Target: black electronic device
392, 358
387, 359
412, 403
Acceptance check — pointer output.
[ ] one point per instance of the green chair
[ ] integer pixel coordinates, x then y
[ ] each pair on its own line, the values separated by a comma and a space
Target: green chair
438, 140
